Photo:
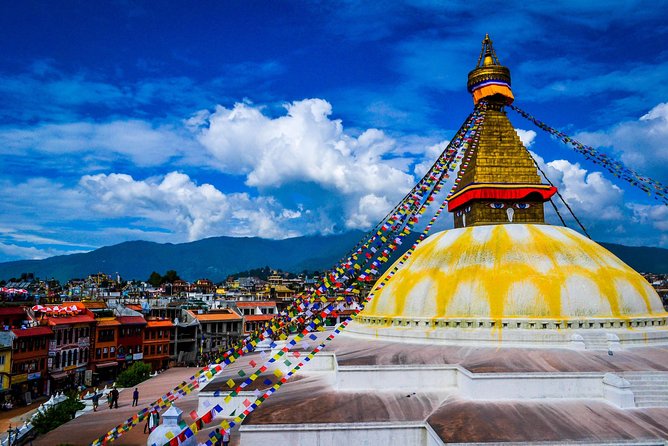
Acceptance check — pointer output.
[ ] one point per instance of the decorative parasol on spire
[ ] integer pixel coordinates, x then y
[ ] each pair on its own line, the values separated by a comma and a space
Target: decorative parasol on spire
489, 79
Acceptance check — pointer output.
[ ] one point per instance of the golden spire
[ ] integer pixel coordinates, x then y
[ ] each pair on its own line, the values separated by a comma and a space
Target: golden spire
501, 184
488, 52
489, 79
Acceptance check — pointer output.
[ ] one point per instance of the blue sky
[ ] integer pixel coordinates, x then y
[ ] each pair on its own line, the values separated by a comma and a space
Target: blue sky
176, 121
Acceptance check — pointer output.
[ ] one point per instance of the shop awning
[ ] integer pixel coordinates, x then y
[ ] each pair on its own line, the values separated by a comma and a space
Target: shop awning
58, 375
106, 364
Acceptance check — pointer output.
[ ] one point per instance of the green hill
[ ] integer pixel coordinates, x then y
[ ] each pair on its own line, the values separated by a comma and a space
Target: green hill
216, 258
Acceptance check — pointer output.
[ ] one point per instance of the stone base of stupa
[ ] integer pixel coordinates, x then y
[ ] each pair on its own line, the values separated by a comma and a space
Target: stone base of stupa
599, 333
364, 391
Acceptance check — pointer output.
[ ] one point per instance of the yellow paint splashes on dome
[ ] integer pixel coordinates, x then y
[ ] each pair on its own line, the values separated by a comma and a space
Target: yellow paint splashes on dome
514, 271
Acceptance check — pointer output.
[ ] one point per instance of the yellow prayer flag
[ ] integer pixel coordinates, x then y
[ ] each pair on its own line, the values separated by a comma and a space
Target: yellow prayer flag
278, 373
230, 383
228, 398
169, 435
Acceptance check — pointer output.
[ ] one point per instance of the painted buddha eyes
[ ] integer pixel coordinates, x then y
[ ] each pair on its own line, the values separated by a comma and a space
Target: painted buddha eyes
463, 211
500, 205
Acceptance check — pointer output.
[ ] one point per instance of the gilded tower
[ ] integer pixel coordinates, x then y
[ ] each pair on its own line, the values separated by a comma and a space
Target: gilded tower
501, 184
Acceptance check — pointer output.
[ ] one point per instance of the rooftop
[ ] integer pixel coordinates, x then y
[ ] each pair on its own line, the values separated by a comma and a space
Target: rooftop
32, 331
131, 320
225, 314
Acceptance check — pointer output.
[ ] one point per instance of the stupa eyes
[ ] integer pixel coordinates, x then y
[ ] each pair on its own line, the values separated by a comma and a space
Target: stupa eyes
497, 205
463, 211
522, 205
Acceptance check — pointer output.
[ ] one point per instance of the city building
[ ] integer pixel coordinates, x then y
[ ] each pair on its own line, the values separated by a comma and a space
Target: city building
12, 317
30, 354
218, 329
130, 340
69, 347
157, 336
103, 361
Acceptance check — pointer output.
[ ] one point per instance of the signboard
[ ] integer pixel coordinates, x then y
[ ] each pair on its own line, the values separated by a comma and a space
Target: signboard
36, 375
138, 356
88, 378
19, 378
120, 357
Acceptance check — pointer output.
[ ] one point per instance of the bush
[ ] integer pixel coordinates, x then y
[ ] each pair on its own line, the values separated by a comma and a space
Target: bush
57, 415
134, 374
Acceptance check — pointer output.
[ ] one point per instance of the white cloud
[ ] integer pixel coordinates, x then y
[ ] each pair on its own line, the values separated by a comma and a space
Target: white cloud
138, 141
589, 194
526, 136
10, 251
643, 143
306, 146
177, 203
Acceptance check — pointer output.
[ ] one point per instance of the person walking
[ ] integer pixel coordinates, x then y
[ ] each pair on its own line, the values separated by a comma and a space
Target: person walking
96, 399
114, 397
135, 397
226, 438
110, 399
218, 438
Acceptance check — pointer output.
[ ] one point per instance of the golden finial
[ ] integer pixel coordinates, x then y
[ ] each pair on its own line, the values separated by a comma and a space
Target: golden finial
487, 53
489, 77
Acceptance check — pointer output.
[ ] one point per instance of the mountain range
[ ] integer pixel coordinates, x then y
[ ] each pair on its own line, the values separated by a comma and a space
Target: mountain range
217, 257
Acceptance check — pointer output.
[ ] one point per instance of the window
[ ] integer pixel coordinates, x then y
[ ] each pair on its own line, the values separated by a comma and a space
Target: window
105, 335
2, 360
112, 350
98, 353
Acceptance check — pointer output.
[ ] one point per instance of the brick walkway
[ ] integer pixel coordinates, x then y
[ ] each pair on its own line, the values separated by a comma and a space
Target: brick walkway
91, 425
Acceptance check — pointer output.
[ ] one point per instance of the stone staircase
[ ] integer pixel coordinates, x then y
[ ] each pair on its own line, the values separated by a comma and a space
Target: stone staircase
594, 340
650, 389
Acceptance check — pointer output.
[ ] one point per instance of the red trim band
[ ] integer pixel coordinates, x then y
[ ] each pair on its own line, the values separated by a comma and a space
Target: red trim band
495, 193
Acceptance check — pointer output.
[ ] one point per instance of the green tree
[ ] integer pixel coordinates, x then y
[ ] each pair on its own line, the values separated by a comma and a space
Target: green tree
155, 279
133, 375
54, 416
170, 276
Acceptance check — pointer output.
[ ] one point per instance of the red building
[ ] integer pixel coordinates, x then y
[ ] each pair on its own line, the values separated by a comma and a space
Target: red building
69, 348
12, 317
130, 340
105, 342
30, 350
156, 343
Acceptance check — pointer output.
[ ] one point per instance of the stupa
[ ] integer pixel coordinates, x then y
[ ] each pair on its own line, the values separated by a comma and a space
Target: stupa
503, 274
504, 329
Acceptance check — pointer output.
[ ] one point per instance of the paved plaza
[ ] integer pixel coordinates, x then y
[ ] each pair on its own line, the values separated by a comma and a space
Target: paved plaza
91, 425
